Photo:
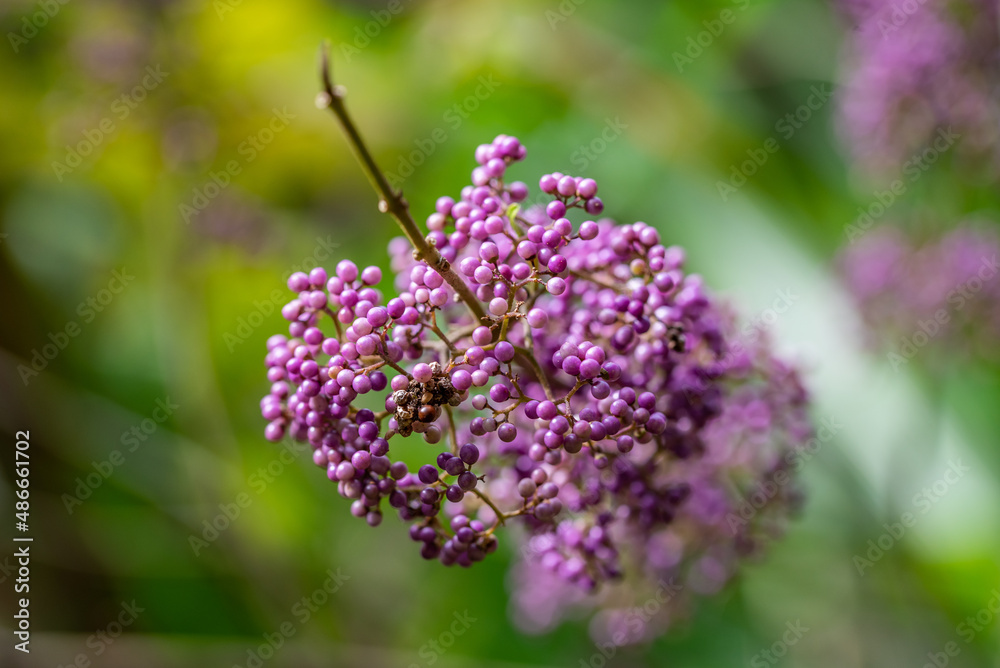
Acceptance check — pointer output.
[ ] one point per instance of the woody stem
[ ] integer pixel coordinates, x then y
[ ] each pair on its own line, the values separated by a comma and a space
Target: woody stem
390, 200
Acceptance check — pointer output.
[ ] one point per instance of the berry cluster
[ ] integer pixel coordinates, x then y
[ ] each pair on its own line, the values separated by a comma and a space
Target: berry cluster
919, 82
938, 291
577, 395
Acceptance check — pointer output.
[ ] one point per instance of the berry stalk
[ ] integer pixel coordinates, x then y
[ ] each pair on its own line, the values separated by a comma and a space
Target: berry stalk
390, 201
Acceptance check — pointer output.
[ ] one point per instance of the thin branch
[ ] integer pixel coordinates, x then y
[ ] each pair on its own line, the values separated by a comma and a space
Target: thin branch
593, 279
452, 432
390, 201
529, 360
336, 322
441, 335
398, 368
569, 395
489, 502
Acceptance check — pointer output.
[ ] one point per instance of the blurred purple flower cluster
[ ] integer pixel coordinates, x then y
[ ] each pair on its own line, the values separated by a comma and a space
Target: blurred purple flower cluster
911, 292
915, 68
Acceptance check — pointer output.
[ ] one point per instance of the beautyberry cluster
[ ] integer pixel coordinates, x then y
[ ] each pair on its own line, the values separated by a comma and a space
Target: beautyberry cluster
919, 81
939, 292
569, 376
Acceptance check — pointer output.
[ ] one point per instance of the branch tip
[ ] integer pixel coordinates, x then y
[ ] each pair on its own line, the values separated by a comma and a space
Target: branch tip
390, 200
324, 67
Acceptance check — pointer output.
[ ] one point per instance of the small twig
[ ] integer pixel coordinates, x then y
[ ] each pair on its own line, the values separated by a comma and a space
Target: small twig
336, 323
432, 324
500, 516
390, 201
462, 332
527, 358
593, 279
569, 395
451, 430
521, 398
398, 368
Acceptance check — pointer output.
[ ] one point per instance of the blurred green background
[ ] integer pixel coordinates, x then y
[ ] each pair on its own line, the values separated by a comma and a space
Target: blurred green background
177, 143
